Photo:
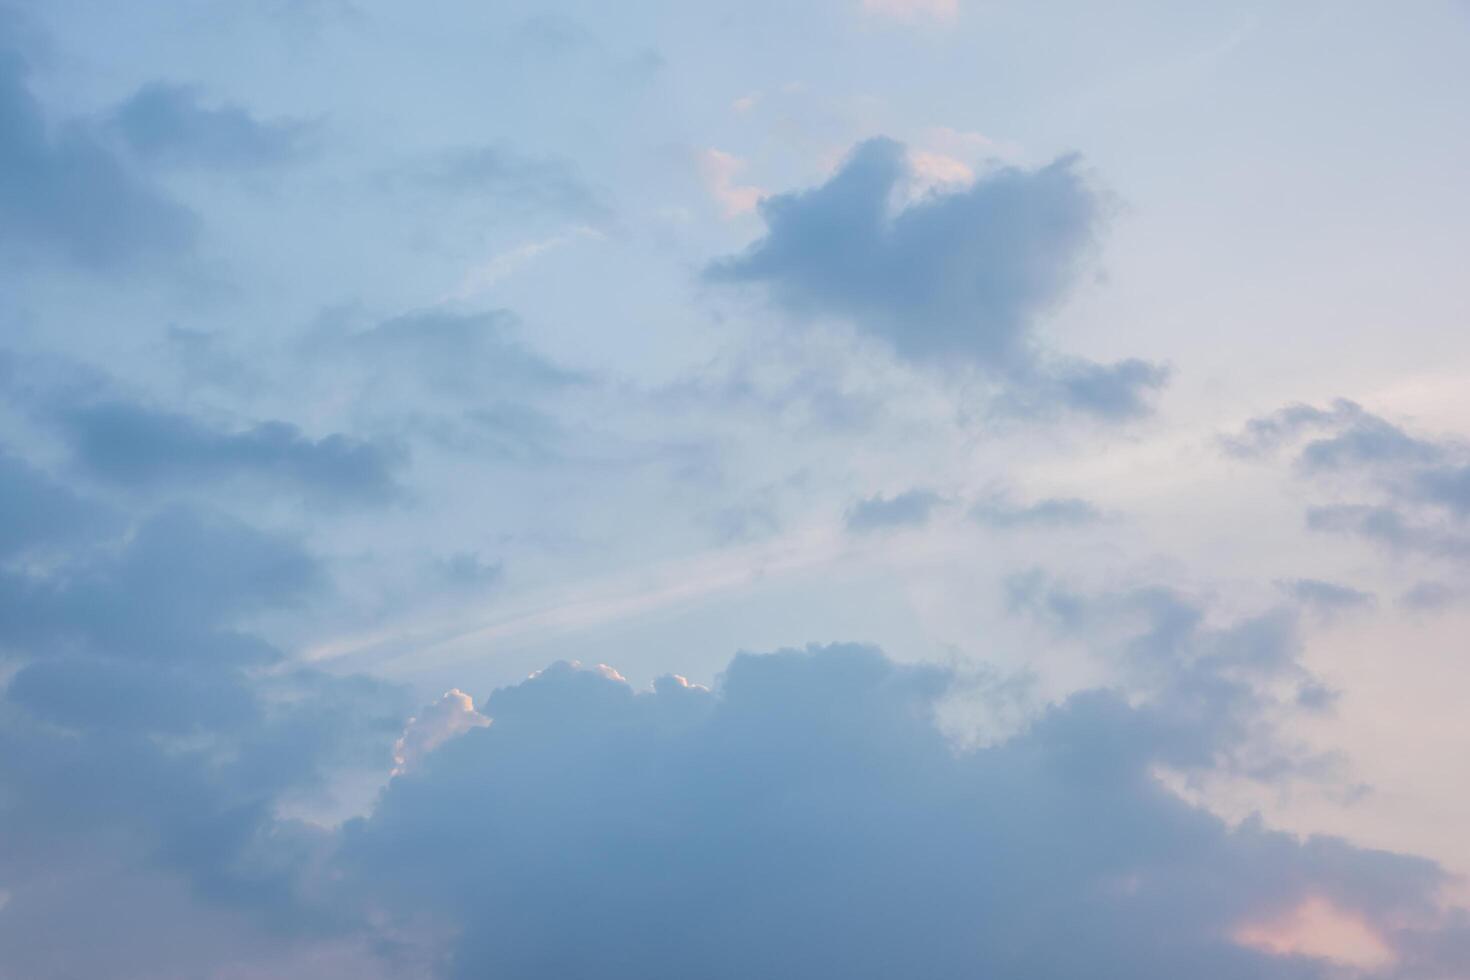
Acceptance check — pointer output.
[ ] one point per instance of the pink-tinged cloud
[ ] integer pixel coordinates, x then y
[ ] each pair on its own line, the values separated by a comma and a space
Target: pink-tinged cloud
450, 716
1319, 929
719, 171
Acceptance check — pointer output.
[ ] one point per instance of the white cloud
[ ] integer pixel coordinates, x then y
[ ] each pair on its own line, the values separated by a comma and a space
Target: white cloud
449, 717
719, 171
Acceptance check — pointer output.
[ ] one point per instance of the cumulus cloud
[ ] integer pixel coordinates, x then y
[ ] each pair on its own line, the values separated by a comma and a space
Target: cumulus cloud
809, 819
908, 509
450, 716
65, 194
172, 125
956, 277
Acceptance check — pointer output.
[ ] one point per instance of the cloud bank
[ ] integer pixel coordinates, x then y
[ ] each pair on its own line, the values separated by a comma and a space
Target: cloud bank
809, 818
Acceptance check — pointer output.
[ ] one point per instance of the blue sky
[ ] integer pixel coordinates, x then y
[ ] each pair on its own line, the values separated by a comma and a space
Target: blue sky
847, 488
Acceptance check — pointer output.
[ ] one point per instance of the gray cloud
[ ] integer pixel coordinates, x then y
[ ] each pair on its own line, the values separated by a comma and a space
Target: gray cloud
64, 194
39, 512
171, 125
954, 275
1430, 596
1327, 598
951, 279
1418, 489
147, 737
514, 182
908, 509
999, 512
463, 353
808, 819
133, 445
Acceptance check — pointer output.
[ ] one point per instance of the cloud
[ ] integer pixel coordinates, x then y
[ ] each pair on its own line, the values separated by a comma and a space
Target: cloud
809, 819
64, 194
39, 512
958, 277
170, 125
147, 737
449, 717
943, 10
1414, 492
1327, 598
133, 445
999, 512
513, 182
1227, 684
908, 509
460, 352
1390, 527
1346, 437
719, 171
1430, 596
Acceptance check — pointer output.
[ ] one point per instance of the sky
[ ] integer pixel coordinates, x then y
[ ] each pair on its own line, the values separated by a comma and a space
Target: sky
838, 488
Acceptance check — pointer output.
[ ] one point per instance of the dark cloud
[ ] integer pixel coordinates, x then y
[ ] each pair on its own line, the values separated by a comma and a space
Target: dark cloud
181, 576
147, 738
809, 819
951, 279
911, 508
133, 445
172, 125
64, 194
951, 276
40, 512
1000, 512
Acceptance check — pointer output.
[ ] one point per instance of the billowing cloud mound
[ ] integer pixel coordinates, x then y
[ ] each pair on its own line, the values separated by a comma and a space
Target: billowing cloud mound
955, 278
811, 820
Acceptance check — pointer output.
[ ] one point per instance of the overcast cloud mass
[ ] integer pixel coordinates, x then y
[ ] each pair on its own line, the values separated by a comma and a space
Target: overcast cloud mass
848, 489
